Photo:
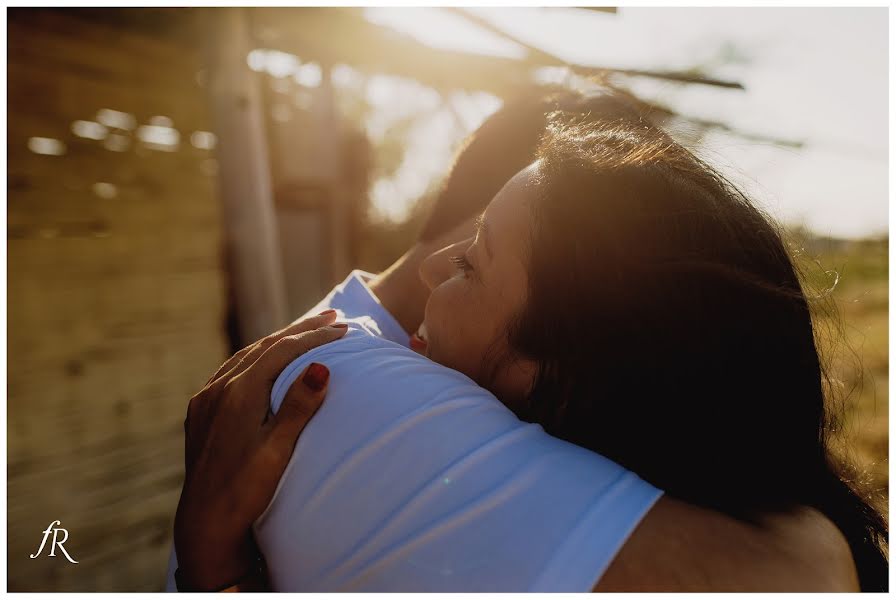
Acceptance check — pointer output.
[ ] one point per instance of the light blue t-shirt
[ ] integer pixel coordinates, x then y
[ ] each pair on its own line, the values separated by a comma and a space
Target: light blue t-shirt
411, 477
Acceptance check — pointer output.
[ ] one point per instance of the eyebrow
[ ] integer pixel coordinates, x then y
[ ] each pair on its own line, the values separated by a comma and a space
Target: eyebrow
482, 229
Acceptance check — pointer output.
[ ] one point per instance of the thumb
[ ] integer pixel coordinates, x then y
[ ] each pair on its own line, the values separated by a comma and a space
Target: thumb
302, 400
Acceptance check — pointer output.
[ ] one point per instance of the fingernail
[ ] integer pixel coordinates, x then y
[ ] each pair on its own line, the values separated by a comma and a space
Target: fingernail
339, 325
316, 377
327, 312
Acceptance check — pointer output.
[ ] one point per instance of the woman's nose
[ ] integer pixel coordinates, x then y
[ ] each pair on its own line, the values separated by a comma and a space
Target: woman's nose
437, 267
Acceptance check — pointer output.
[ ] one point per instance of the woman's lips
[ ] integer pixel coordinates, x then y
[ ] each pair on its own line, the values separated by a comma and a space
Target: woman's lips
417, 344
418, 340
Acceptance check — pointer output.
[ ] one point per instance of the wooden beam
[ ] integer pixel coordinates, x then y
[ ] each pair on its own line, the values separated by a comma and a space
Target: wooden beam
244, 176
604, 9
342, 35
547, 59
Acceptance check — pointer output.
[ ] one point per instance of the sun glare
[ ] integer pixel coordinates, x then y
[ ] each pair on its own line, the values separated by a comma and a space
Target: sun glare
441, 29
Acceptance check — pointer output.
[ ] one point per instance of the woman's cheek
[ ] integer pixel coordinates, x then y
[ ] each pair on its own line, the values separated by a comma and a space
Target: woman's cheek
451, 339
438, 330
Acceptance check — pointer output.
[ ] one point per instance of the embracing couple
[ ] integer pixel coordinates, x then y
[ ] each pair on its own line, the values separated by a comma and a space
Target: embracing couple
596, 370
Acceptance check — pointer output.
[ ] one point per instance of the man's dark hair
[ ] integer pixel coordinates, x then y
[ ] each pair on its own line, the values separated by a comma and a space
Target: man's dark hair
506, 143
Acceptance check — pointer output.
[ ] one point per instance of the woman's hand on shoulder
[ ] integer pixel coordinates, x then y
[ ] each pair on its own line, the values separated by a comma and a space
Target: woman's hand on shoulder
236, 451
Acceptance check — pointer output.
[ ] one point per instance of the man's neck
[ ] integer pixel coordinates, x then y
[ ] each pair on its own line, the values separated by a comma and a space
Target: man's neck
400, 290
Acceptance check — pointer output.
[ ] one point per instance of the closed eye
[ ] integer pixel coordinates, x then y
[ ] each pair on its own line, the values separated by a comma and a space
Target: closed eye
462, 264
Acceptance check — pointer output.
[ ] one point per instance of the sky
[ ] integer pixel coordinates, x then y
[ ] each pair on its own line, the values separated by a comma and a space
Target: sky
814, 75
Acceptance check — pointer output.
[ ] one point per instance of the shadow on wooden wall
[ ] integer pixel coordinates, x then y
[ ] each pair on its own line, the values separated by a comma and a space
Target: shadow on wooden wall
116, 294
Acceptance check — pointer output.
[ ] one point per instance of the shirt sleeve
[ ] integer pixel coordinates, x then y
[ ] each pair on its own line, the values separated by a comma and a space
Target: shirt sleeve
411, 478
353, 299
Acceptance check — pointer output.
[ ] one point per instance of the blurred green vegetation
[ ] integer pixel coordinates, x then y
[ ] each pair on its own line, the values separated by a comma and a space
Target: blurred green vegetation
849, 286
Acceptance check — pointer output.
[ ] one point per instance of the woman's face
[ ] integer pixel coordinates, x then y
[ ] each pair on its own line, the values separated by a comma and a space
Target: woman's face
476, 288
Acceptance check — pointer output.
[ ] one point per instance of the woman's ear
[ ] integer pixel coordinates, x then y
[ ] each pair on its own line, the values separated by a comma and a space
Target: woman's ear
514, 382
526, 369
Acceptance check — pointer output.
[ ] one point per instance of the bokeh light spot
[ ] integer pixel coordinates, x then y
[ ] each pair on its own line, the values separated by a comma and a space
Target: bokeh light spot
204, 140
104, 190
47, 146
161, 121
90, 130
157, 137
116, 119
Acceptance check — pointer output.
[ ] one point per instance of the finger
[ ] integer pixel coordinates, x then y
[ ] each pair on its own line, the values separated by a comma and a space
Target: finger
234, 360
321, 320
245, 357
303, 399
193, 432
324, 318
284, 351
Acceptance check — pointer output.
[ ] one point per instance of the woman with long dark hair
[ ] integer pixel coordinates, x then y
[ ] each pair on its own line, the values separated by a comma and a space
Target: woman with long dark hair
629, 299
662, 325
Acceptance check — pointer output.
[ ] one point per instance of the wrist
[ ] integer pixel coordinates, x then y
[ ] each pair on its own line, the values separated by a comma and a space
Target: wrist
254, 579
215, 566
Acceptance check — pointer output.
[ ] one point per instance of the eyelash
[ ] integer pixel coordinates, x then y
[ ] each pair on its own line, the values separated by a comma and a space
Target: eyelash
462, 264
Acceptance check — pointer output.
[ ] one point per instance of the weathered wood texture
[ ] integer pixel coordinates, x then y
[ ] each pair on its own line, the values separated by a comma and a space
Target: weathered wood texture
116, 301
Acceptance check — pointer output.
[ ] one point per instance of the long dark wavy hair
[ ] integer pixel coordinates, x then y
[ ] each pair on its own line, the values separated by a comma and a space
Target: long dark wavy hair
673, 335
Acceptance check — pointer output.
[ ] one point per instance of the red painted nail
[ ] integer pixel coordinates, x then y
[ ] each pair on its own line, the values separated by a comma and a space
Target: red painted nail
326, 312
339, 325
316, 377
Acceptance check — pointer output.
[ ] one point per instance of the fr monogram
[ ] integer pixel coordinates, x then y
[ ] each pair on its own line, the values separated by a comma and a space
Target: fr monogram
56, 541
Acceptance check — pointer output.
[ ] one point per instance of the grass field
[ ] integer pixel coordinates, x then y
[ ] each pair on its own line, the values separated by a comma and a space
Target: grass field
853, 334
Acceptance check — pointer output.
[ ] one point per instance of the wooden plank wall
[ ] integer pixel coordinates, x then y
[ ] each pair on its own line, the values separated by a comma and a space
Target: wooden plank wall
116, 300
